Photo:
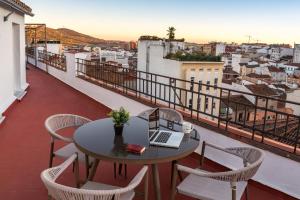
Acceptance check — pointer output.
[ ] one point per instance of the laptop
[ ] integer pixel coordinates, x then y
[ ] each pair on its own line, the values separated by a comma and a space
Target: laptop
162, 137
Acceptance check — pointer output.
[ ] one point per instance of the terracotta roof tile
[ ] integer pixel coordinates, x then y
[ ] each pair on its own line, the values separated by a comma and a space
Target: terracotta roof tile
20, 5
262, 89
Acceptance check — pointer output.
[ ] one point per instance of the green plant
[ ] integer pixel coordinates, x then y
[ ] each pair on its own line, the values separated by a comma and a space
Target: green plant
196, 56
120, 117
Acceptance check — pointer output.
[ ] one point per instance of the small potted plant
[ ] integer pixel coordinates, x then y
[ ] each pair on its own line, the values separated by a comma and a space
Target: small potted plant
119, 117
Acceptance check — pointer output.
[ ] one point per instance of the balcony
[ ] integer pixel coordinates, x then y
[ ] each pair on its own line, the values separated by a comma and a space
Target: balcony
25, 142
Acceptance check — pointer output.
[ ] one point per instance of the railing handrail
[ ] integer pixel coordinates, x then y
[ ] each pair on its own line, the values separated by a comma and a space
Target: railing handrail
192, 101
203, 84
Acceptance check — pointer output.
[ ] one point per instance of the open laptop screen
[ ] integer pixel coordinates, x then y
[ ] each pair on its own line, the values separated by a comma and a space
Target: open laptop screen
153, 120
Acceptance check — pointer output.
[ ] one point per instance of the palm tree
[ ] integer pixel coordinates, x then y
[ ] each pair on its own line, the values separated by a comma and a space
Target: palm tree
171, 33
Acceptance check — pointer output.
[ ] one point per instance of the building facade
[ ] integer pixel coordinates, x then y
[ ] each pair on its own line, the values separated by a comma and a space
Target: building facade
296, 56
12, 50
151, 58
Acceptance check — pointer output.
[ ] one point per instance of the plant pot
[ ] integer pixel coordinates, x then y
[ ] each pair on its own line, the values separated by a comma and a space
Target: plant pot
118, 129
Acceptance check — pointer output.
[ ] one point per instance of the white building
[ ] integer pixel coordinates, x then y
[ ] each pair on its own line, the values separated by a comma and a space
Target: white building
220, 49
289, 68
120, 56
12, 50
236, 60
107, 55
151, 58
274, 53
296, 56
53, 46
284, 51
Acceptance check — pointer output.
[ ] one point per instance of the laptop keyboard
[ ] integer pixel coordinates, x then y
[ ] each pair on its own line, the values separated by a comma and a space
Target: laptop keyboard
163, 137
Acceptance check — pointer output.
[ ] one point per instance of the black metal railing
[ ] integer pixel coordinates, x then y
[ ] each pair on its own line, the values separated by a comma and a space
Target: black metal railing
260, 116
30, 51
54, 60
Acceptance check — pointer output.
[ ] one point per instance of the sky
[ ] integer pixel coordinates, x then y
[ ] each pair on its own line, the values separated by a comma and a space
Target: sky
269, 21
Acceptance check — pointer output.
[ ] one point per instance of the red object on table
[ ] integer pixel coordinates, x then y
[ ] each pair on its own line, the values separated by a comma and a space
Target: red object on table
135, 148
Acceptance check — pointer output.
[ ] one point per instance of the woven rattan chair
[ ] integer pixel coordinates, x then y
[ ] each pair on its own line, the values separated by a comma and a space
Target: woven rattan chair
90, 190
165, 113
59, 122
201, 184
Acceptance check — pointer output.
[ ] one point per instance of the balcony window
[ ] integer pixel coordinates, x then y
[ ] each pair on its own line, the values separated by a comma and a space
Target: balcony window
206, 103
207, 85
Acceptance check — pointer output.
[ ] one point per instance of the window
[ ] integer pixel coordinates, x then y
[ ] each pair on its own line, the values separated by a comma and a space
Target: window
199, 103
206, 103
190, 103
200, 86
207, 85
216, 82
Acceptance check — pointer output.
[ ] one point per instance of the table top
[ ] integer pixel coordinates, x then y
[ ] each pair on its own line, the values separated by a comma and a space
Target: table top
97, 139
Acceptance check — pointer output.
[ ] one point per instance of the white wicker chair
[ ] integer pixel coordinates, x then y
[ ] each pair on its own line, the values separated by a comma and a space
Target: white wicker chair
166, 114
90, 190
58, 122
205, 185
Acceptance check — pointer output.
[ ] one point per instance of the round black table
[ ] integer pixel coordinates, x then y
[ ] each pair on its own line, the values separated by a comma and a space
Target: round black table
98, 140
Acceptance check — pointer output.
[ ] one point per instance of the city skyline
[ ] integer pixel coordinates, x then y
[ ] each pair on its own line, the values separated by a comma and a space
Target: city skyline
196, 21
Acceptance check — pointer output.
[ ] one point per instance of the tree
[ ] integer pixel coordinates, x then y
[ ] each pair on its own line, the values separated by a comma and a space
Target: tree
171, 33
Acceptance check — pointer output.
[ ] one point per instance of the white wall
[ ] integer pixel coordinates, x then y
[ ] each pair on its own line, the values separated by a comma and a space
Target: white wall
220, 49
296, 58
276, 172
144, 46
295, 97
54, 48
236, 60
7, 80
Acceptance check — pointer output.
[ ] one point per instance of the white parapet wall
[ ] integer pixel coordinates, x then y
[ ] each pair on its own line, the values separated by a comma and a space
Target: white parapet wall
276, 171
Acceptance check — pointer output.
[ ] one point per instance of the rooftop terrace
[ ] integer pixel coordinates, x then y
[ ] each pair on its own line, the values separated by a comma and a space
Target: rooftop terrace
25, 143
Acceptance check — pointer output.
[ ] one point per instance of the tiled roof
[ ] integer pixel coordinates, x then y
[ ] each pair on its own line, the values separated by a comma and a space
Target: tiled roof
294, 64
261, 89
285, 87
253, 75
237, 102
20, 6
275, 69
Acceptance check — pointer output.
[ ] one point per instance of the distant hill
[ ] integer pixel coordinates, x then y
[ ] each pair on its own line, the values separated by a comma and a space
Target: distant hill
68, 36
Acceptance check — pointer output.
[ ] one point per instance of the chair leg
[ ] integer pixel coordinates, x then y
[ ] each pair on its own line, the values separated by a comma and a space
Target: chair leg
247, 192
76, 171
51, 154
174, 162
115, 170
202, 154
233, 189
174, 179
73, 167
120, 168
146, 185
125, 168
87, 165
